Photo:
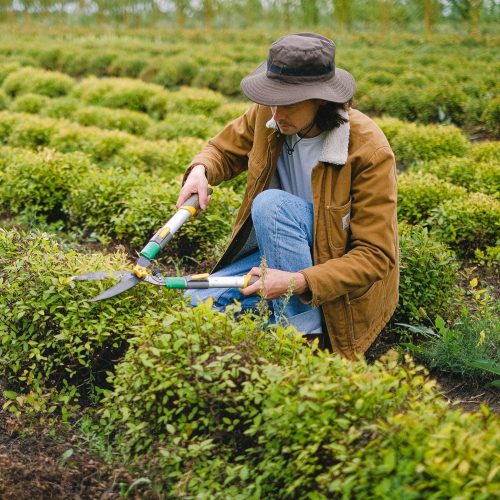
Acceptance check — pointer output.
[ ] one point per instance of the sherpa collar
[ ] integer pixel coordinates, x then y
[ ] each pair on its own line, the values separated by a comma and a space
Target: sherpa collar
335, 147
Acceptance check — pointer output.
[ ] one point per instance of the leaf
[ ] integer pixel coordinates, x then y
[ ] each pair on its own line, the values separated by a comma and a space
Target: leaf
10, 394
65, 456
486, 365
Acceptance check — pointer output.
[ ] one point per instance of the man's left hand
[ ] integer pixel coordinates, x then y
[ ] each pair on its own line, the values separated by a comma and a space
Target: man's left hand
276, 283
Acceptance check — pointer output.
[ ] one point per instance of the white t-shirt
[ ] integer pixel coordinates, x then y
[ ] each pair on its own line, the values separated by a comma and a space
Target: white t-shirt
295, 170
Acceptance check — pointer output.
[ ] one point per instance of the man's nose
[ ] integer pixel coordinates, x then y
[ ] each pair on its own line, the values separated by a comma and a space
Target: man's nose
276, 112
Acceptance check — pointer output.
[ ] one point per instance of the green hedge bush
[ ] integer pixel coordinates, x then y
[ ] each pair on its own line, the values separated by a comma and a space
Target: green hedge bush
180, 125
483, 176
61, 107
194, 101
491, 117
4, 101
6, 69
218, 408
29, 103
38, 184
412, 143
468, 223
429, 282
37, 81
132, 122
419, 193
172, 71
116, 93
230, 111
54, 342
485, 151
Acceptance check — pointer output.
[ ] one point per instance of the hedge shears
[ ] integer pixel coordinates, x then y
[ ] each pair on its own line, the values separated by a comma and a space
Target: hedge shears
142, 271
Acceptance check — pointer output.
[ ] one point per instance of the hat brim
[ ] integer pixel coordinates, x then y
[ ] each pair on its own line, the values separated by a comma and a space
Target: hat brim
274, 92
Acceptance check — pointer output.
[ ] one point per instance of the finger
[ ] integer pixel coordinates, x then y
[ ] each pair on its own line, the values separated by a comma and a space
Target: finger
203, 197
254, 288
255, 271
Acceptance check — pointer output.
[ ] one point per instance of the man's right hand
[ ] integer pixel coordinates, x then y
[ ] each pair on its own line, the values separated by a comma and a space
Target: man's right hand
196, 183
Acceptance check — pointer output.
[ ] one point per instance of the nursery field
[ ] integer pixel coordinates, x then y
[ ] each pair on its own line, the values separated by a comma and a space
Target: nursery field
142, 396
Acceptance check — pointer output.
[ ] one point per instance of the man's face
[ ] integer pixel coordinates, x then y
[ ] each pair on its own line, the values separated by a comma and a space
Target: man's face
293, 118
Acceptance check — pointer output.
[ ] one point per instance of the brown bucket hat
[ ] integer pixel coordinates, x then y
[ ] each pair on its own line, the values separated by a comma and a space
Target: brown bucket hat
299, 67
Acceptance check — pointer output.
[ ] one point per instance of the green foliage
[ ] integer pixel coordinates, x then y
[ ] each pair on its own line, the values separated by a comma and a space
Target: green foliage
53, 340
126, 66
412, 143
220, 408
174, 71
117, 93
29, 103
98, 198
485, 151
428, 284
60, 107
38, 184
4, 101
483, 176
491, 117
467, 223
230, 111
6, 69
31, 132
166, 159
180, 125
37, 81
194, 101
153, 203
419, 193
120, 119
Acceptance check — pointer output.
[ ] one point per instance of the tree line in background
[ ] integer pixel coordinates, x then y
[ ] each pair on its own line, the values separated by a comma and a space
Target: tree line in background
347, 15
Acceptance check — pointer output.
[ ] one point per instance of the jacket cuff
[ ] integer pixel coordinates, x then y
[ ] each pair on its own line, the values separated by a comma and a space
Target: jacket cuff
307, 296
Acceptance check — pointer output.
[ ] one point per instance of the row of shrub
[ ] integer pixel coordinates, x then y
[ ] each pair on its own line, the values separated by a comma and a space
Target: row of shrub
108, 148
69, 192
211, 405
404, 87
411, 143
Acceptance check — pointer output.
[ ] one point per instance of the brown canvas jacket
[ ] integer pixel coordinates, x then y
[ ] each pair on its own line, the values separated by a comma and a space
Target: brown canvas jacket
355, 275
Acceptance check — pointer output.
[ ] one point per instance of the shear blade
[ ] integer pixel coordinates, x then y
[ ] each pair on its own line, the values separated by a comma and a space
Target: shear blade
102, 275
126, 283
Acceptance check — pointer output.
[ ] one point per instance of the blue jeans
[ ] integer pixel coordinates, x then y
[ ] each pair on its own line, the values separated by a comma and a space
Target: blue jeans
284, 229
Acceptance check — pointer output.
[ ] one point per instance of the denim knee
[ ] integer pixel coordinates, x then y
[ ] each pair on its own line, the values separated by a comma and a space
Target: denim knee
263, 201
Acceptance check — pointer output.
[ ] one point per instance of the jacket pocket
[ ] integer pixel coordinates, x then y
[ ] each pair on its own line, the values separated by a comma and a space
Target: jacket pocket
366, 310
338, 226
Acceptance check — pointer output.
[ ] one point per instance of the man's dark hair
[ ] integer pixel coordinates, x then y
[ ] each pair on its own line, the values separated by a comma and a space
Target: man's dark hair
328, 117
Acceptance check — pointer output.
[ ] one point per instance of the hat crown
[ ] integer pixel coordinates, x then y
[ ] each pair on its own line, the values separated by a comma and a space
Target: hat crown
301, 54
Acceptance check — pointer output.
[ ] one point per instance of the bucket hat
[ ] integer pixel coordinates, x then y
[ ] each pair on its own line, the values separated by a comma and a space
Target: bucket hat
299, 67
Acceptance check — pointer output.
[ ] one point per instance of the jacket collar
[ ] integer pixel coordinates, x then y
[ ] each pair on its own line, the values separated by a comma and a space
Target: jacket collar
336, 145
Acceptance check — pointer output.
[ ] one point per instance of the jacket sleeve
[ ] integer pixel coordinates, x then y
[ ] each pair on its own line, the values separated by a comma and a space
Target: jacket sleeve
373, 248
226, 155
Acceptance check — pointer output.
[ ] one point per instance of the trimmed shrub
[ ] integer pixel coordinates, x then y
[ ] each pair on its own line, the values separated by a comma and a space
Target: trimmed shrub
166, 159
37, 81
428, 284
153, 203
180, 125
194, 101
230, 111
419, 193
7, 123
4, 102
119, 119
485, 151
31, 132
117, 93
29, 103
126, 65
157, 105
53, 339
491, 117
6, 69
204, 399
38, 184
468, 223
61, 107
99, 144
176, 70
98, 198
472, 175
413, 143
